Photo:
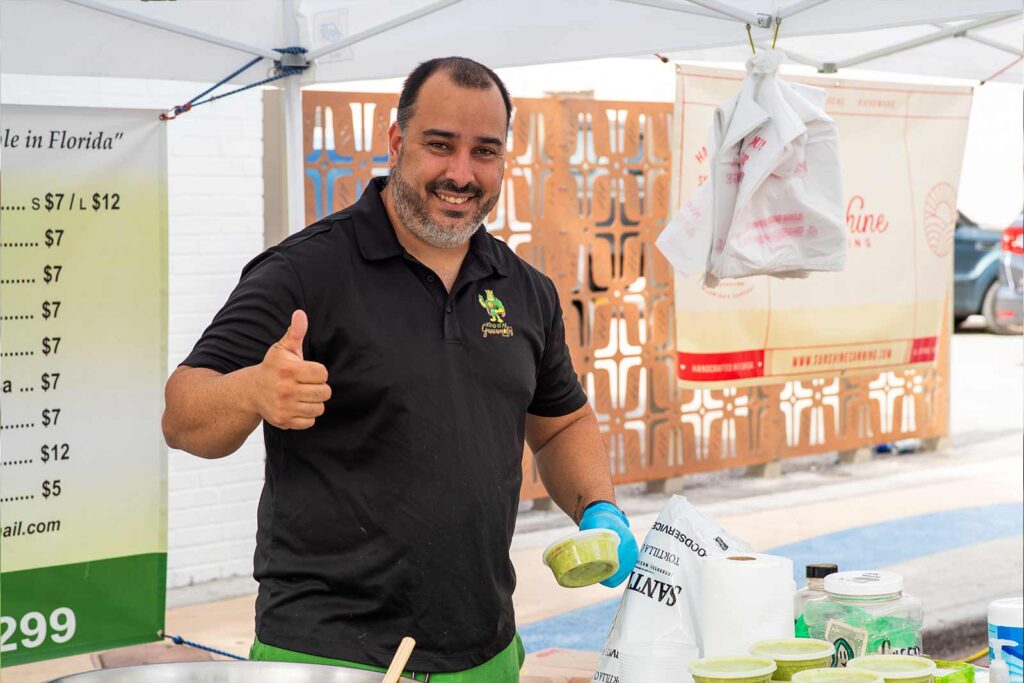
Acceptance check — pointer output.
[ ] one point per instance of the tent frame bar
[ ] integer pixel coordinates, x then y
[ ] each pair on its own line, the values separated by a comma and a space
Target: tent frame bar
715, 9
174, 28
794, 56
917, 42
754, 19
381, 28
674, 7
996, 44
797, 8
1017, 52
720, 10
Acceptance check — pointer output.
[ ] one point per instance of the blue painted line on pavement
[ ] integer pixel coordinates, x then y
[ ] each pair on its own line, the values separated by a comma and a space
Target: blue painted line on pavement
866, 547
898, 540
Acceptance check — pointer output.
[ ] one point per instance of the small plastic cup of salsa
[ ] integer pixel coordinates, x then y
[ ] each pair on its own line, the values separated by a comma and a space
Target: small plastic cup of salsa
896, 668
584, 558
794, 654
733, 670
836, 676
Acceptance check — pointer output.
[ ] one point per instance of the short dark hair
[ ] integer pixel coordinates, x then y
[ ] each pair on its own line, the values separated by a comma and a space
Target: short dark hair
464, 72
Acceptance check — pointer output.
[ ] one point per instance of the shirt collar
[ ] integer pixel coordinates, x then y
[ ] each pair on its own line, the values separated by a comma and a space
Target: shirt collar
377, 240
374, 233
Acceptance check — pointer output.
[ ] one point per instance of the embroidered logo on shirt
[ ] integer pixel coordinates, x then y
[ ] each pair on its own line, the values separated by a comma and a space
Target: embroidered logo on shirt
496, 311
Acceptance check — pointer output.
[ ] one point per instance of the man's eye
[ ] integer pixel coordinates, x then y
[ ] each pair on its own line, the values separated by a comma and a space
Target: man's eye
438, 145
484, 151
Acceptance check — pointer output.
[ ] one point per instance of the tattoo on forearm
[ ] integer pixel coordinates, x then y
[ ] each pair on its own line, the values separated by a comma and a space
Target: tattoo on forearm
578, 510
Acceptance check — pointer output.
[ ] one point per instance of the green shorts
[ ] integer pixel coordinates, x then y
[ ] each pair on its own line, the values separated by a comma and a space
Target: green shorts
502, 668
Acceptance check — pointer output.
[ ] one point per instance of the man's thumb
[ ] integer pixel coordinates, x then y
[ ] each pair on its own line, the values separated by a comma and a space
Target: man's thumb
292, 339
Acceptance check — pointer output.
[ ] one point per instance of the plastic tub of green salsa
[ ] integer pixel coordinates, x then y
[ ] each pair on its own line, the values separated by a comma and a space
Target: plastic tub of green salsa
733, 669
896, 668
794, 654
584, 558
836, 676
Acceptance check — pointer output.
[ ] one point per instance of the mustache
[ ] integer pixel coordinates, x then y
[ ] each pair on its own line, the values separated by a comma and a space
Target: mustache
450, 186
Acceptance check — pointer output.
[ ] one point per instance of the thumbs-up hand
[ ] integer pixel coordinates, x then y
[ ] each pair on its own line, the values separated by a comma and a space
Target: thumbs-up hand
296, 332
290, 392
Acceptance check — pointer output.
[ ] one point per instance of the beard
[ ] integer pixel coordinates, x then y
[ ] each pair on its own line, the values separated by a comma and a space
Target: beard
413, 211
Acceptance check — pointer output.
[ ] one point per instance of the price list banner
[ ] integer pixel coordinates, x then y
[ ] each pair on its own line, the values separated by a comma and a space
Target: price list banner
83, 329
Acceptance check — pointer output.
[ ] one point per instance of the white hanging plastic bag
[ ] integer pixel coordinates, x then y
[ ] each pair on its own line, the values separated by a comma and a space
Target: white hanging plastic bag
775, 186
661, 603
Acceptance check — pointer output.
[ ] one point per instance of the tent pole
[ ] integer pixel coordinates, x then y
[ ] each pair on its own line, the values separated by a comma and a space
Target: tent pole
716, 10
674, 7
987, 41
795, 56
996, 44
174, 28
386, 26
291, 101
762, 20
923, 40
798, 7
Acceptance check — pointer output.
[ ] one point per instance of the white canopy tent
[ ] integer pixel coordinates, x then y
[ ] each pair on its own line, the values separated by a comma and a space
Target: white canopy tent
346, 40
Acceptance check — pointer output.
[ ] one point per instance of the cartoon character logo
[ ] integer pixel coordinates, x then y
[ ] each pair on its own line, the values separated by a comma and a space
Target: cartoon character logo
496, 325
492, 305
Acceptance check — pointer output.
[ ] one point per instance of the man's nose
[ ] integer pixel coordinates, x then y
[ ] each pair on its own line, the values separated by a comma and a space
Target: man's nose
460, 168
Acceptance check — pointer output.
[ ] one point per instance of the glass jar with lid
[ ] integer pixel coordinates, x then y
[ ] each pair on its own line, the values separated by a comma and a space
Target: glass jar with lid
866, 613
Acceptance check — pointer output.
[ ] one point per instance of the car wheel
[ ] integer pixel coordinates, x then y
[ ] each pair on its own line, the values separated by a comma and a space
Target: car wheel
988, 309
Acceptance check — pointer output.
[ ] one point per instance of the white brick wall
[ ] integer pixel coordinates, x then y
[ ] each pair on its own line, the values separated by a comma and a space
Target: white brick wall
215, 225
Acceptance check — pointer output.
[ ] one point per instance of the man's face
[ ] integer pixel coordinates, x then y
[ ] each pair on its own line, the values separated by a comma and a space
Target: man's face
446, 169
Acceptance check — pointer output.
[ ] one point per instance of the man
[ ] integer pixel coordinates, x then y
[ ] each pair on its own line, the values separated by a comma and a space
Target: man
397, 355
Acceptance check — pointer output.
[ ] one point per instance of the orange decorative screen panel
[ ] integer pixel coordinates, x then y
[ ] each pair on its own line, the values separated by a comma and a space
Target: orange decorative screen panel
586, 193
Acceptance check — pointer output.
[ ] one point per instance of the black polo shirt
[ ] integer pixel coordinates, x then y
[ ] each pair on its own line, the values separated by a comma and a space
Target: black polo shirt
394, 513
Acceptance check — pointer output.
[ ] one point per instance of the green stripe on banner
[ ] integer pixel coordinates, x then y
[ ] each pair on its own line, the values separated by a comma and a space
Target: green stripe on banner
75, 608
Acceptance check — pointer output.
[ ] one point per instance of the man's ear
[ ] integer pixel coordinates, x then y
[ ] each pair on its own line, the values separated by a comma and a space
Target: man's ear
394, 144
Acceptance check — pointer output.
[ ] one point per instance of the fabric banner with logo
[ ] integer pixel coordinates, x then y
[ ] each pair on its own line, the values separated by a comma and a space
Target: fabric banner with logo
83, 467
901, 148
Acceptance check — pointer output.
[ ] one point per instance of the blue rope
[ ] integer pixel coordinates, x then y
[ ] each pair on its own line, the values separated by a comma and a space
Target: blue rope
225, 79
178, 640
281, 72
285, 72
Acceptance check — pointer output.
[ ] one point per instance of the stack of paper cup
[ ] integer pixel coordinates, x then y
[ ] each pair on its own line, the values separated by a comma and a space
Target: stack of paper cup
745, 598
656, 662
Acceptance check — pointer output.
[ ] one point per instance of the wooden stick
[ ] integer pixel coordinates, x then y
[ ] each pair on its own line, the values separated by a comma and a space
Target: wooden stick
398, 661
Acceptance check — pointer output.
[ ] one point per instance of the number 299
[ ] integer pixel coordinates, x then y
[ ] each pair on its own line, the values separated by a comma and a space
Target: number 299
33, 627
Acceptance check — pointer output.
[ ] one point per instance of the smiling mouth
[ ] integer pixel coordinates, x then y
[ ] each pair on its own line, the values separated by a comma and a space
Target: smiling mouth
451, 199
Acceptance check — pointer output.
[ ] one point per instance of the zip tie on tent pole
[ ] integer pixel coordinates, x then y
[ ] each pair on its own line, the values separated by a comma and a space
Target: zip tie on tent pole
750, 37
279, 70
178, 640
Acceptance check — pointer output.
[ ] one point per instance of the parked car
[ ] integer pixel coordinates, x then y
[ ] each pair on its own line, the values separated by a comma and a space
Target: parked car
977, 260
1009, 304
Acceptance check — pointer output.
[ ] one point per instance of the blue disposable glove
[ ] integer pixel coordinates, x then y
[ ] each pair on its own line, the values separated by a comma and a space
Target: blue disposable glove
604, 515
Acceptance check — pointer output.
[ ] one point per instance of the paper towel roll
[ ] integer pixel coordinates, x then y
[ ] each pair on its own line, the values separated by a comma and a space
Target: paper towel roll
745, 598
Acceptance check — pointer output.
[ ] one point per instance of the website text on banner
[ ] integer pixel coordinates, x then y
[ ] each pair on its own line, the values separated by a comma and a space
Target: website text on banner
901, 148
83, 503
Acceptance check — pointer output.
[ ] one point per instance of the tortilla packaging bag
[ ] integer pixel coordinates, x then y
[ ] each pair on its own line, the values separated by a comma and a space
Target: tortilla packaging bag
661, 603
